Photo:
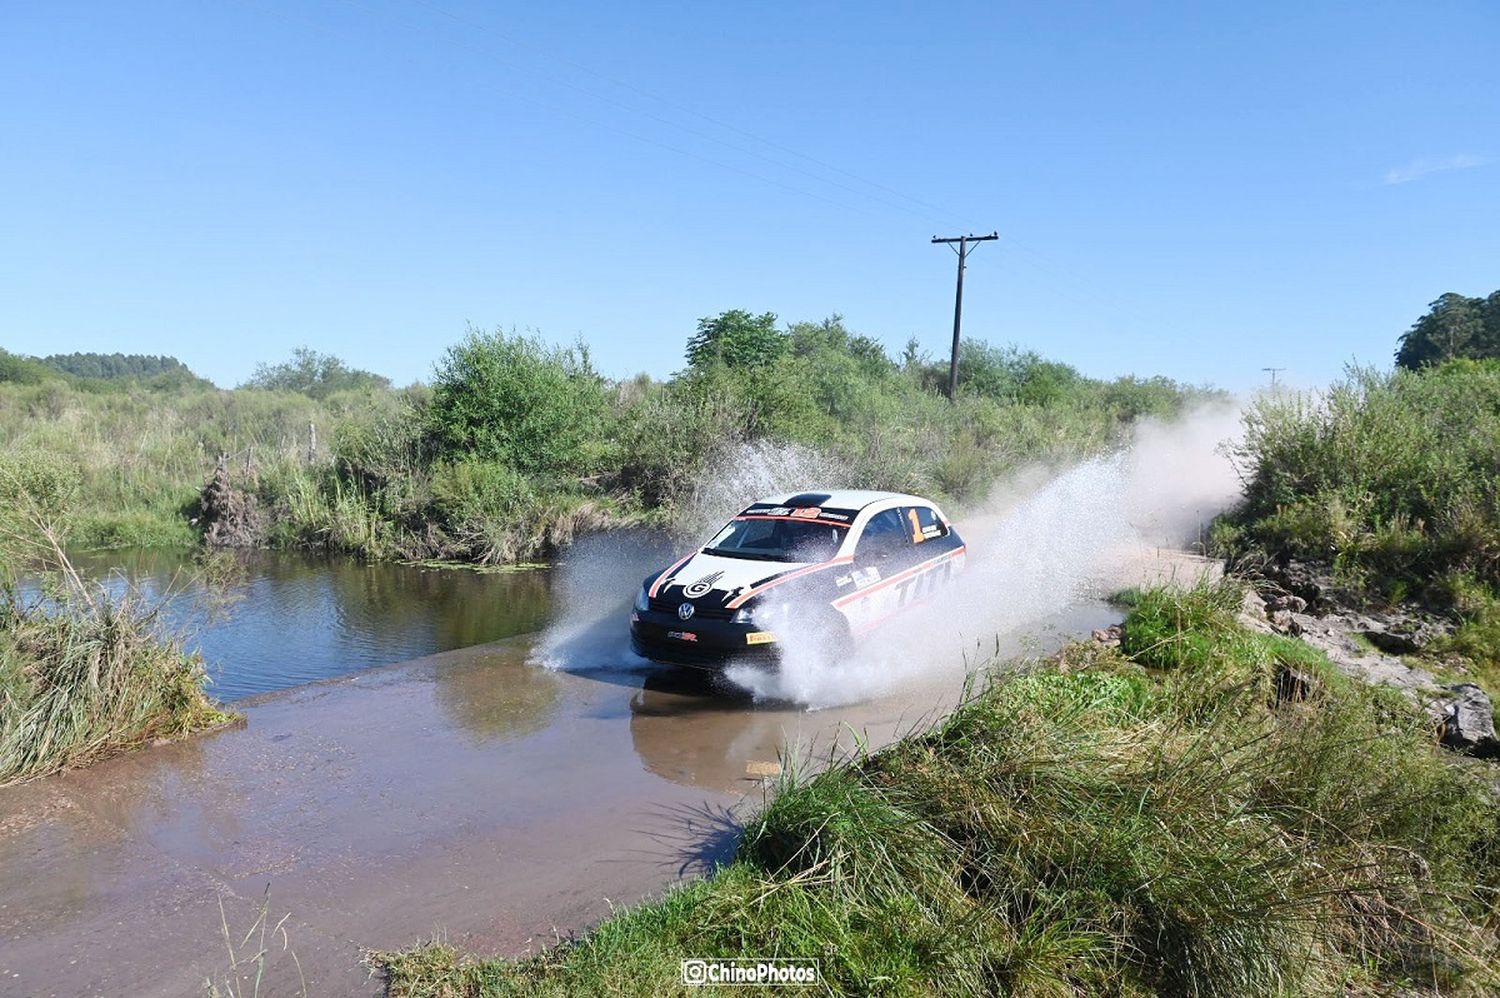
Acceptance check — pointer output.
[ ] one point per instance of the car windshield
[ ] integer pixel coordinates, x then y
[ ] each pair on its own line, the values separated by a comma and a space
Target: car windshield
768, 539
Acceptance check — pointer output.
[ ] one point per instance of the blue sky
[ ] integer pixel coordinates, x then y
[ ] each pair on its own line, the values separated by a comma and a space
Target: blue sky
1197, 190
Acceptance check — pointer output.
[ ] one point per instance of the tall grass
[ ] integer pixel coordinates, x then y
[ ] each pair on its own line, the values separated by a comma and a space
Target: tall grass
1393, 477
517, 446
84, 679
1166, 827
84, 669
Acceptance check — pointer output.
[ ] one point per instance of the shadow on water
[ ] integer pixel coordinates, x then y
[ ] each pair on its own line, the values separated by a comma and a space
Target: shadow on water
300, 618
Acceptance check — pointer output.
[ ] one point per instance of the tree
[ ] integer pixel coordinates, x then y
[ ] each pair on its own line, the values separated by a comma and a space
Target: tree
1454, 326
119, 366
22, 370
737, 339
518, 401
314, 374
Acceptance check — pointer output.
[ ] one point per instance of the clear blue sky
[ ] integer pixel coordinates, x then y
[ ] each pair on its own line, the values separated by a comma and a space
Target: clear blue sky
1194, 189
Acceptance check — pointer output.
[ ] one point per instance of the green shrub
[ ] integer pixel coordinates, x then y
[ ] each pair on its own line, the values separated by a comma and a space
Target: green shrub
517, 401
1391, 477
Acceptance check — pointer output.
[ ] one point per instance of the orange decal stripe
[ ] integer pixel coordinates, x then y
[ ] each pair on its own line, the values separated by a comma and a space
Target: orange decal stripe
665, 576
788, 577
799, 519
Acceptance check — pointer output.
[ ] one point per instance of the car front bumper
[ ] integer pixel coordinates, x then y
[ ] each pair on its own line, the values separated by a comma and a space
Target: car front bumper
700, 644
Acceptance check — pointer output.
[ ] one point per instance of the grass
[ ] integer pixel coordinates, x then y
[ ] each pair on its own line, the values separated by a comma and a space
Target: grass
1388, 476
1150, 821
80, 680
1390, 479
85, 669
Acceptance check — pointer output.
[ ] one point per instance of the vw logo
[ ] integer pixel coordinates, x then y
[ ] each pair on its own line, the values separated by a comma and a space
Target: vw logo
684, 611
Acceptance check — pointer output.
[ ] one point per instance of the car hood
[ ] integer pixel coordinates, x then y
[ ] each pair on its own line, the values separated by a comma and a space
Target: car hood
717, 580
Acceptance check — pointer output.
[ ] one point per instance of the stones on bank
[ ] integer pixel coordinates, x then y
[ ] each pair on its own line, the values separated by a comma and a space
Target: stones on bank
1297, 601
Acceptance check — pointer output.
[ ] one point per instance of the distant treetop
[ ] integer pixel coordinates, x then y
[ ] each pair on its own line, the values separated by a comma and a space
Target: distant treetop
1454, 326
116, 366
737, 339
314, 374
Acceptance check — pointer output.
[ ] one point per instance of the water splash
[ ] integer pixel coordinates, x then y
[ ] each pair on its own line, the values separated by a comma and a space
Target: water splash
1042, 542
1045, 539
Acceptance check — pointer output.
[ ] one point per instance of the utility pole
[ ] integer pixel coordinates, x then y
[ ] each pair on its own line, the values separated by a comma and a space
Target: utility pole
1274, 371
963, 251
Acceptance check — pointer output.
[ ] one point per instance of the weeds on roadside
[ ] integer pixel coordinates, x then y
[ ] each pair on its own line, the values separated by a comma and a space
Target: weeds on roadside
249, 957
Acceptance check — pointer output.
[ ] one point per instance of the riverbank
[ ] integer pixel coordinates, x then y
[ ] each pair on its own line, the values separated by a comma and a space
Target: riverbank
1174, 815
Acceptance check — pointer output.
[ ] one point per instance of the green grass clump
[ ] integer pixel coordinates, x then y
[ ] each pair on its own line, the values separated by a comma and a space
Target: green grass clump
82, 680
1155, 822
85, 671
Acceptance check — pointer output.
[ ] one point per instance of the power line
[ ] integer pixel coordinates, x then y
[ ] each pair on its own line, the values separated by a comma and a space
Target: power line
958, 297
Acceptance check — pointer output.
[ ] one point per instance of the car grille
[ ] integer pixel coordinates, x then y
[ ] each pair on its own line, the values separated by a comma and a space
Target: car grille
662, 604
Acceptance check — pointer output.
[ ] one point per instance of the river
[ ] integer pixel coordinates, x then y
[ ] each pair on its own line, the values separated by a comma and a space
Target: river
297, 618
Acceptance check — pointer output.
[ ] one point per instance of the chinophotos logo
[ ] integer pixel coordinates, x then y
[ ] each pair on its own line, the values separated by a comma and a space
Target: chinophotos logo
750, 972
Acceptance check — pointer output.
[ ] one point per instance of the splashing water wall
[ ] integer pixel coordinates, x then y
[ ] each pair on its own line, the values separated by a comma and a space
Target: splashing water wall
1045, 539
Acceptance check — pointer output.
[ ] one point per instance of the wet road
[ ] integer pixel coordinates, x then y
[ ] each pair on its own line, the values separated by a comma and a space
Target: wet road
468, 793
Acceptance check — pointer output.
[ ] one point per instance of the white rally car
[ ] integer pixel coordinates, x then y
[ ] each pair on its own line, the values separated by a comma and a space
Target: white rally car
834, 563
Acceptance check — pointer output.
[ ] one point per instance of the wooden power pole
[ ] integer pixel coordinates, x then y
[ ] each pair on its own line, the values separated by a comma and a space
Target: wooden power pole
963, 251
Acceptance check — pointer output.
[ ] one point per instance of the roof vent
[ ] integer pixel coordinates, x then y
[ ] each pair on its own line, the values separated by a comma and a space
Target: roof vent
809, 499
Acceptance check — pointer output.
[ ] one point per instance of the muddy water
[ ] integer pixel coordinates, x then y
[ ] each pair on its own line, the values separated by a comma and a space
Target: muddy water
469, 793
299, 618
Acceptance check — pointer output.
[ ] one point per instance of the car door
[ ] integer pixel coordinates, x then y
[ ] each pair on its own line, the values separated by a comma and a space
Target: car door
937, 554
882, 553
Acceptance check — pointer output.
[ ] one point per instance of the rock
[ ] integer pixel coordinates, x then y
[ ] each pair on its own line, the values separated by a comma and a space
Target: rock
1109, 636
1292, 684
1253, 613
1287, 602
1405, 633
1314, 587
1467, 720
1335, 635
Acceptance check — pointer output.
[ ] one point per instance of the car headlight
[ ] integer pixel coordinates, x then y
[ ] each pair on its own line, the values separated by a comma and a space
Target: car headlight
741, 617
642, 603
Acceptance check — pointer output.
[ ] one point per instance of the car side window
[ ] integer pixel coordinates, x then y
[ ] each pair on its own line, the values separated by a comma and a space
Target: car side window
925, 524
887, 533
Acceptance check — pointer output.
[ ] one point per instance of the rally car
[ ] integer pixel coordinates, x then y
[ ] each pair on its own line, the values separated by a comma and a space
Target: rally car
825, 566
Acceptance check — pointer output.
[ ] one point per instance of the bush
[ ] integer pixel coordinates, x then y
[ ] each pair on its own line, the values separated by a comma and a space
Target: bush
83, 671
88, 677
514, 400
1390, 477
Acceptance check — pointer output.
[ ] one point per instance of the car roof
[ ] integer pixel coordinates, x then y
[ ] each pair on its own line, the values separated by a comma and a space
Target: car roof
841, 498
